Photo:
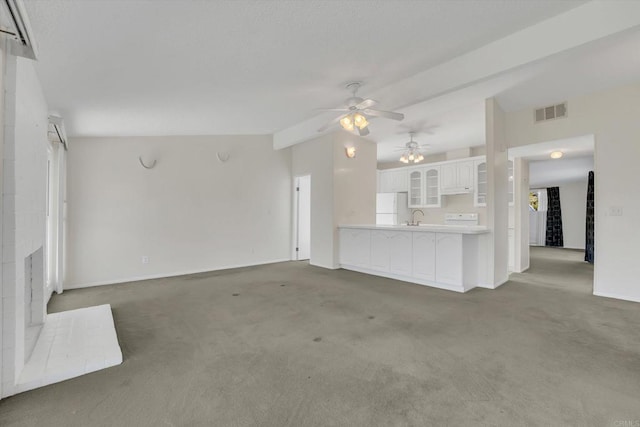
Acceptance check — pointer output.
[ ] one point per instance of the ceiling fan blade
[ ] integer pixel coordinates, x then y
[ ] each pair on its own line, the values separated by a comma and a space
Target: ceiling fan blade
332, 122
364, 131
332, 109
366, 104
386, 114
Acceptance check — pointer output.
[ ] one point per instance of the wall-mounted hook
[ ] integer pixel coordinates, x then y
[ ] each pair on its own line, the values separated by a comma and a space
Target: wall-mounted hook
222, 156
145, 166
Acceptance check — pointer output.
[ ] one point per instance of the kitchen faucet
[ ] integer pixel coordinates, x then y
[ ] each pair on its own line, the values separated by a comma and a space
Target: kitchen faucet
413, 217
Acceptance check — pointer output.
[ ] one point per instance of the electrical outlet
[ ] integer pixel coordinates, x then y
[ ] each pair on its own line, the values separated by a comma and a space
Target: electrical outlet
615, 211
145, 259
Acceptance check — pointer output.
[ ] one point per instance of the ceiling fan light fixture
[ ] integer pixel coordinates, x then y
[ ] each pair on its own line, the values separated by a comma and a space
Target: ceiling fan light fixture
360, 120
347, 123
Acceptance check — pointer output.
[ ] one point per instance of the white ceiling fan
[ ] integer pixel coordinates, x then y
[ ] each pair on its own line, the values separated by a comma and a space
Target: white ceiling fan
412, 151
357, 111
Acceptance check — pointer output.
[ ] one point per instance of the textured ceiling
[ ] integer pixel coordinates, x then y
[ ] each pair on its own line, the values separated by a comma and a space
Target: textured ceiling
245, 67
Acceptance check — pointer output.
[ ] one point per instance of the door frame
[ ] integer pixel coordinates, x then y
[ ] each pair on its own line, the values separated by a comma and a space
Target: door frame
295, 210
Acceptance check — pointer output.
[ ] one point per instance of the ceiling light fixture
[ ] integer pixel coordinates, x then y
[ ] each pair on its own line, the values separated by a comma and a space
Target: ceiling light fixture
556, 154
353, 121
412, 152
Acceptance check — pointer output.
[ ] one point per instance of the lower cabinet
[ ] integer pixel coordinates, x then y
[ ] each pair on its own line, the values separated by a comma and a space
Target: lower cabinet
380, 250
355, 247
391, 252
430, 258
401, 247
424, 256
449, 258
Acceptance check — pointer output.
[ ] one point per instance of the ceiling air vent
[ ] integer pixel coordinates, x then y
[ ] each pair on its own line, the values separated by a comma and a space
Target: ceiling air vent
551, 112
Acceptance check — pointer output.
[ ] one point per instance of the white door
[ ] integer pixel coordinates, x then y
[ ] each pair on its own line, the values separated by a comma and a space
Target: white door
449, 176
303, 216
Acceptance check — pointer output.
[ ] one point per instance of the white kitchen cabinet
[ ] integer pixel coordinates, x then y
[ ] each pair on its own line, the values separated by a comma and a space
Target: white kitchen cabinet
457, 177
392, 180
443, 259
480, 187
391, 251
416, 188
449, 258
424, 187
432, 197
401, 248
355, 247
380, 250
424, 256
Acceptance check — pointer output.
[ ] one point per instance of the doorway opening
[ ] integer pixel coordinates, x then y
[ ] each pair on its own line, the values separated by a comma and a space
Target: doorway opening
554, 211
302, 218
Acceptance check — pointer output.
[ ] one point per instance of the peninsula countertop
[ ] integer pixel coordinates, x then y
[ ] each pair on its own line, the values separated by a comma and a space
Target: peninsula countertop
438, 228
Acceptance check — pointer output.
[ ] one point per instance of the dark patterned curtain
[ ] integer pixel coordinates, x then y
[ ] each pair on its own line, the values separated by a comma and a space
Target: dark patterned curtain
554, 218
589, 237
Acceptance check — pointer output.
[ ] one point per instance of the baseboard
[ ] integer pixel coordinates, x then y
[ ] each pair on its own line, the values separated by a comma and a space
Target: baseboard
167, 275
616, 296
401, 278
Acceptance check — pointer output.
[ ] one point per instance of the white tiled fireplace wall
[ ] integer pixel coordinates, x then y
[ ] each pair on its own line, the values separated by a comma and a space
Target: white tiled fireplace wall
24, 180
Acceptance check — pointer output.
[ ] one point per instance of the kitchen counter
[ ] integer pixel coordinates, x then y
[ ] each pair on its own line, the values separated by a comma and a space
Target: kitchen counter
441, 228
452, 257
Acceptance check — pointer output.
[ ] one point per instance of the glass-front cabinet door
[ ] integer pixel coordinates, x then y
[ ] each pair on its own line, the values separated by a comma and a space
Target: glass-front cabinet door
480, 191
415, 188
432, 187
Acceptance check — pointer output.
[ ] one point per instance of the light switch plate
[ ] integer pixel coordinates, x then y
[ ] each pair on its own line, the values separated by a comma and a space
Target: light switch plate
615, 210
145, 259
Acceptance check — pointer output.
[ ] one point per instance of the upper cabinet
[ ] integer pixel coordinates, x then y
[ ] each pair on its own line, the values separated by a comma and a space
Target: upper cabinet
480, 190
457, 177
480, 193
392, 180
432, 186
424, 187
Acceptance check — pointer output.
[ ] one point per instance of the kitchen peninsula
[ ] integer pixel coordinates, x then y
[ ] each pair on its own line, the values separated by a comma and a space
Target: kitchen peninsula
443, 256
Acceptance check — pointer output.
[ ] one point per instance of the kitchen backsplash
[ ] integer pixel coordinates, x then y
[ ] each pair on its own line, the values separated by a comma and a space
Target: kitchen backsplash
457, 203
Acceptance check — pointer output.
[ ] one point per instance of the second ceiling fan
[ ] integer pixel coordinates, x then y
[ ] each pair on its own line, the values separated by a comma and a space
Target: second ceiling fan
357, 112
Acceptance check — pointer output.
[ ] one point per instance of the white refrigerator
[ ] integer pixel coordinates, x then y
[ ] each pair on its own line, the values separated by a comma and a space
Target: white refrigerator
392, 208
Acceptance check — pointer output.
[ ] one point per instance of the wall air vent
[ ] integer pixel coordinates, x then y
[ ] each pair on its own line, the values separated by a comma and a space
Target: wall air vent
14, 25
56, 131
551, 112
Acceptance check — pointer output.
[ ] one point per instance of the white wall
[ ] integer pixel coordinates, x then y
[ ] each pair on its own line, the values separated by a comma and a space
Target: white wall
315, 158
355, 184
497, 188
343, 191
573, 202
612, 116
23, 204
189, 213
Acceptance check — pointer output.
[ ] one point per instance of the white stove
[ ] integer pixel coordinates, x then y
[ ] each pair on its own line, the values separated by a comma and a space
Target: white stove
461, 219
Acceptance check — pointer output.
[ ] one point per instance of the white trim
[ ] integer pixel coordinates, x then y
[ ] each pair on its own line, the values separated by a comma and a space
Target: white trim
616, 296
496, 286
413, 280
168, 275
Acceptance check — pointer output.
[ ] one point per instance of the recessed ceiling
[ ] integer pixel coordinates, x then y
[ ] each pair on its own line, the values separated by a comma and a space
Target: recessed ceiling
146, 67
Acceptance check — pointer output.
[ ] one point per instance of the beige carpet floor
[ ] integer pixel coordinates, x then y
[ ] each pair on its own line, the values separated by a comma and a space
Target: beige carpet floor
294, 345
